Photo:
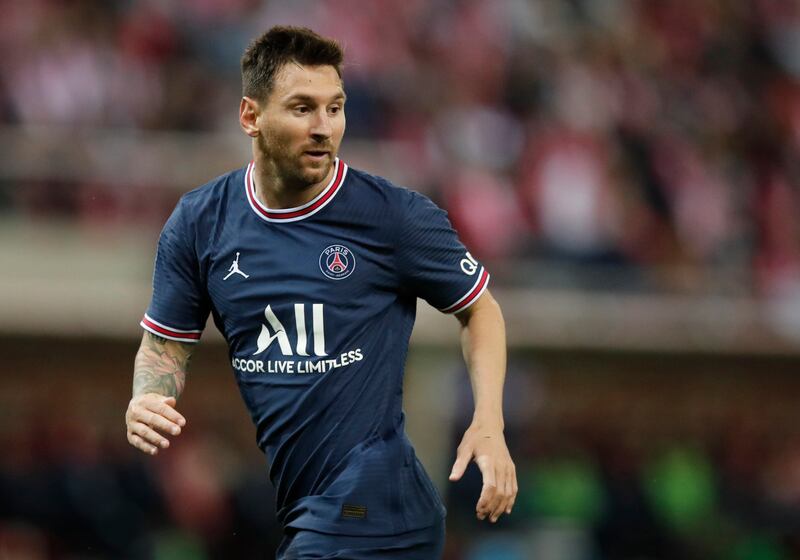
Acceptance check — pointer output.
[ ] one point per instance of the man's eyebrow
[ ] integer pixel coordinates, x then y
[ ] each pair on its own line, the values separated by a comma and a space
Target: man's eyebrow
311, 99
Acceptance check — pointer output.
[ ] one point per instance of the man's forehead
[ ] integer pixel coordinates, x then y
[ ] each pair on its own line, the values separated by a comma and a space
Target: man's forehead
294, 79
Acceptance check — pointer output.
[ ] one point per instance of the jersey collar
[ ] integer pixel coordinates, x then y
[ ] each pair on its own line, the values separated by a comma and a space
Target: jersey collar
300, 212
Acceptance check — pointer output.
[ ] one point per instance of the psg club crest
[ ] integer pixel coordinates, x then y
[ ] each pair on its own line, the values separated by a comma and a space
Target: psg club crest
337, 262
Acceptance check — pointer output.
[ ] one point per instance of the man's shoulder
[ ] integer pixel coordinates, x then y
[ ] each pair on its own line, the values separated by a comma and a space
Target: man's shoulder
210, 194
379, 186
404, 200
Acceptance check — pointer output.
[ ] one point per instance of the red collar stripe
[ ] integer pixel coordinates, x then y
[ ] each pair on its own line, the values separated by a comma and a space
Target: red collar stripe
295, 214
471, 296
167, 332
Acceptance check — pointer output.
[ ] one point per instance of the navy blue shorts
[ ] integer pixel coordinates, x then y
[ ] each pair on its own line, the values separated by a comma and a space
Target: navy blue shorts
422, 544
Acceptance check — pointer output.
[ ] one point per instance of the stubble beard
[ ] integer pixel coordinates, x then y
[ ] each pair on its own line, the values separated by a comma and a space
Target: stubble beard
287, 166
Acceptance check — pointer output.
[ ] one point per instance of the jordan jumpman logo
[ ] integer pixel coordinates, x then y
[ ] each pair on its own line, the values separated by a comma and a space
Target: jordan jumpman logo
234, 269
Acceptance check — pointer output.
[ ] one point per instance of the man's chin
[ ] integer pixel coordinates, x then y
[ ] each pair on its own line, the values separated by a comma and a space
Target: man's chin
316, 172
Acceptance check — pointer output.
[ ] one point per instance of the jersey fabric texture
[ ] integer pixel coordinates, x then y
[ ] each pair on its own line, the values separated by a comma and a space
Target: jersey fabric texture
317, 304
421, 544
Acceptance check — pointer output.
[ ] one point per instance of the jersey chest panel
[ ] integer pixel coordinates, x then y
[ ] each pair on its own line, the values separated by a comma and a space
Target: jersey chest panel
299, 291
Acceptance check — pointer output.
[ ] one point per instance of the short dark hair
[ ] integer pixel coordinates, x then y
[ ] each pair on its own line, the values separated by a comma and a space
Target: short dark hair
281, 45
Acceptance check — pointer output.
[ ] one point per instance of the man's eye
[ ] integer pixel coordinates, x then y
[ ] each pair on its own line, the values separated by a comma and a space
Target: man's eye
302, 109
334, 109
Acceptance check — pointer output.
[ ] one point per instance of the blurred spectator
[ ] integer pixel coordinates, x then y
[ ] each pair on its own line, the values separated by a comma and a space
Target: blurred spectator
632, 134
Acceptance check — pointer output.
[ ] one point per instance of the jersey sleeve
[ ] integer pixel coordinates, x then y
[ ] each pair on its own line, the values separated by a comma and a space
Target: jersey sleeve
433, 263
178, 308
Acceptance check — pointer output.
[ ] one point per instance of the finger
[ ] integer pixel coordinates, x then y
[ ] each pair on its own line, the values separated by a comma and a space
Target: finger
509, 493
157, 422
506, 496
462, 460
514, 490
167, 409
488, 493
510, 506
149, 435
165, 425
164, 408
489, 488
498, 503
142, 445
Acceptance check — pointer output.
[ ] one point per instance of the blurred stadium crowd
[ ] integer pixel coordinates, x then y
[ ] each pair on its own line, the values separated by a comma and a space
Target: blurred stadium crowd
661, 139
657, 136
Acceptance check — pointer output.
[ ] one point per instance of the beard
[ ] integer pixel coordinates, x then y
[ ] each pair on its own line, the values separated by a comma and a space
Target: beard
289, 166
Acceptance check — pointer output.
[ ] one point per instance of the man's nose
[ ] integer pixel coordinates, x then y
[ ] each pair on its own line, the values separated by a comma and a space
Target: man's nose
321, 125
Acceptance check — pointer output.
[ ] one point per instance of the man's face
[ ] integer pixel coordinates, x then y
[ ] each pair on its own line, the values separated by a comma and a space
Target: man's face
302, 122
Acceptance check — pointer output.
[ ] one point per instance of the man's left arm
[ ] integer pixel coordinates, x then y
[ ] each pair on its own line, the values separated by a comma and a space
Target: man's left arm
483, 342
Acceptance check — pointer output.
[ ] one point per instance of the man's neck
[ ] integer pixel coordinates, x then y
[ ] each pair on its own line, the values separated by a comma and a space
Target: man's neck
277, 193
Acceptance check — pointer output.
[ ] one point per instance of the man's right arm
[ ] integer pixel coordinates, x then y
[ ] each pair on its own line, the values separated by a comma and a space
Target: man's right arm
159, 375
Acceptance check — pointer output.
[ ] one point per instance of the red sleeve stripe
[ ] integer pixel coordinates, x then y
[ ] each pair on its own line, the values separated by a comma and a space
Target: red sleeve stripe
470, 297
167, 332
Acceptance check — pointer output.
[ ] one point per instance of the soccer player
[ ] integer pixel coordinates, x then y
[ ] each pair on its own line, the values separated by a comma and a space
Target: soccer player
311, 270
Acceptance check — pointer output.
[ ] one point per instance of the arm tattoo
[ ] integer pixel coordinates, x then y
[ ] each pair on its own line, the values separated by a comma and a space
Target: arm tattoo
160, 366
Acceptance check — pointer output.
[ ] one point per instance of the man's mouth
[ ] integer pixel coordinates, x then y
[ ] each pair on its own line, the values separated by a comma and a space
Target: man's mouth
316, 154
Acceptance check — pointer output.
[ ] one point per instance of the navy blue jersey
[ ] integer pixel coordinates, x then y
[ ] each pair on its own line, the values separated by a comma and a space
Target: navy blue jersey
317, 304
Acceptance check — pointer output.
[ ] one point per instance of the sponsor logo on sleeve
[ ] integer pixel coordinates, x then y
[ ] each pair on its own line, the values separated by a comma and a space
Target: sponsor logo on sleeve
469, 265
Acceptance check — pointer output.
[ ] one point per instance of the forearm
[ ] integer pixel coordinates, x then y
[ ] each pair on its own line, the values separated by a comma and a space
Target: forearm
483, 342
160, 366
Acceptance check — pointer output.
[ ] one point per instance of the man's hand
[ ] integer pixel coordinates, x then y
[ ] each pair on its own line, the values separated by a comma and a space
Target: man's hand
148, 416
488, 448
159, 373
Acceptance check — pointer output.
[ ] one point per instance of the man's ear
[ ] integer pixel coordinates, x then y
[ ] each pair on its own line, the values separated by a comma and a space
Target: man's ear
248, 115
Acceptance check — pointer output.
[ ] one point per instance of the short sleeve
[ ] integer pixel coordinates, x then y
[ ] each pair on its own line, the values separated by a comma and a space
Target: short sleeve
178, 308
433, 263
